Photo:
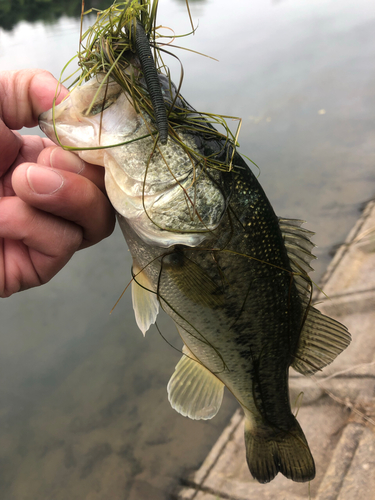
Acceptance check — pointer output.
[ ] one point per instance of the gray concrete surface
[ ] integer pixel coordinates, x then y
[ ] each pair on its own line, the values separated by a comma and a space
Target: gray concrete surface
338, 407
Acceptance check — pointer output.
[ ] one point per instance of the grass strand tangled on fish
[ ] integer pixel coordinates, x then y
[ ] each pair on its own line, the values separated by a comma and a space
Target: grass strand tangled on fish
108, 47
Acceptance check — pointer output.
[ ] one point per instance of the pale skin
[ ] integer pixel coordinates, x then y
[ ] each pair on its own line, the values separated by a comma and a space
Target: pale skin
51, 202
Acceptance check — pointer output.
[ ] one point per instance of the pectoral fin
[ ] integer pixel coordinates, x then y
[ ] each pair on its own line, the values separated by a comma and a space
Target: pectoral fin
192, 280
321, 340
145, 303
193, 390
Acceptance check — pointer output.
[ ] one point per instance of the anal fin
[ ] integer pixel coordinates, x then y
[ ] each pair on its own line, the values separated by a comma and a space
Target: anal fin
193, 390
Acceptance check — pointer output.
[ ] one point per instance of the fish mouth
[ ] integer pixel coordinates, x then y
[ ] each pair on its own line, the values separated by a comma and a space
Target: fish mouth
45, 124
47, 127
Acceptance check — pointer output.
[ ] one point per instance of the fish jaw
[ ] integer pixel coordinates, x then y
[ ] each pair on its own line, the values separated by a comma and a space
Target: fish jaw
84, 131
87, 118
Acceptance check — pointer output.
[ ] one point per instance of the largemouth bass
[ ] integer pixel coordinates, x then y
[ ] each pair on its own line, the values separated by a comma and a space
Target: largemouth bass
208, 248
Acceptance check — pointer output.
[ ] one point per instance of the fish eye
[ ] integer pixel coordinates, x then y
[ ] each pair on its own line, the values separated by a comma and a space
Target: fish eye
100, 106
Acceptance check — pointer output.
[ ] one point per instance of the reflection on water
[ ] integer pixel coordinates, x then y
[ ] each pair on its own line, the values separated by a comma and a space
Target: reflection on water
83, 405
48, 11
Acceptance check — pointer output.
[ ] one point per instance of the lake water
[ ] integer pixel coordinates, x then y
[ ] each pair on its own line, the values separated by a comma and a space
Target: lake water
83, 406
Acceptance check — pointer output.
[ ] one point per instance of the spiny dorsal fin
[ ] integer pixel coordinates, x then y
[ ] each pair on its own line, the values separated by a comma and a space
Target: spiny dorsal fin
193, 390
297, 242
321, 340
145, 303
298, 245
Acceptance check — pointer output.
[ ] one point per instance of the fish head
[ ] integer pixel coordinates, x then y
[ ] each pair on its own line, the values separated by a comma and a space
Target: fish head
154, 186
96, 114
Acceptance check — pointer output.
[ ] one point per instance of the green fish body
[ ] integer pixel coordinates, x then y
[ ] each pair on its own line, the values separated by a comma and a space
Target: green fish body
208, 248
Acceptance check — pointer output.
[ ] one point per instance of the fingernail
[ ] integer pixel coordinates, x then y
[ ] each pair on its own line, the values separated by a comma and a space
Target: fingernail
44, 180
65, 160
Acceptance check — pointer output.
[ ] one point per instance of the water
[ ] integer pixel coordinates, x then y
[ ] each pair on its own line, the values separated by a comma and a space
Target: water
83, 405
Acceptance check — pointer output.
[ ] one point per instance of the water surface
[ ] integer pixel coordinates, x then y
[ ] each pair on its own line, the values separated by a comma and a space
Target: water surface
83, 406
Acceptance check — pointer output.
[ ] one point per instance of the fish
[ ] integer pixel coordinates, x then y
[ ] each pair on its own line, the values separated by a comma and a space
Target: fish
208, 248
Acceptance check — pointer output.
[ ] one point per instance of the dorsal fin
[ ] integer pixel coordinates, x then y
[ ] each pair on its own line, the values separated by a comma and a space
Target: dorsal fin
298, 245
193, 390
145, 302
322, 338
320, 342
297, 242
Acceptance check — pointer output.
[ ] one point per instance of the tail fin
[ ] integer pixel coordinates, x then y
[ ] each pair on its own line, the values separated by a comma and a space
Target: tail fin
278, 451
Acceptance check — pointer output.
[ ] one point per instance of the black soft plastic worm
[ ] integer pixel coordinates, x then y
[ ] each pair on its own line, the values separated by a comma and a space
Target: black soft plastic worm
143, 51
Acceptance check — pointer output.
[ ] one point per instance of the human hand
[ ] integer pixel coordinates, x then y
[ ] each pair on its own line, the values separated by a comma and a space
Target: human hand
51, 202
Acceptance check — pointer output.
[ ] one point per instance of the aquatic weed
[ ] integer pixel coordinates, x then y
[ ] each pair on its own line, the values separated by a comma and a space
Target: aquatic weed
108, 47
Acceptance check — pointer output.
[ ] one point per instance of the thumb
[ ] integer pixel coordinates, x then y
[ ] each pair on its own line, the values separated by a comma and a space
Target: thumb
26, 94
